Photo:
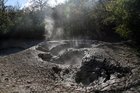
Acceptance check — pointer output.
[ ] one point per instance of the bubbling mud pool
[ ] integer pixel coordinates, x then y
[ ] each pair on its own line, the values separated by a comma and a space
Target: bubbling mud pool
87, 66
84, 63
64, 51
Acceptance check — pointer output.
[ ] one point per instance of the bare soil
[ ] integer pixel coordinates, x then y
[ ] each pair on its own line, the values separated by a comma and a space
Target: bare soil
69, 66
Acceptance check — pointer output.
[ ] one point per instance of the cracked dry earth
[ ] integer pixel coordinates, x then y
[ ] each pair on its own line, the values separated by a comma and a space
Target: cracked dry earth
71, 66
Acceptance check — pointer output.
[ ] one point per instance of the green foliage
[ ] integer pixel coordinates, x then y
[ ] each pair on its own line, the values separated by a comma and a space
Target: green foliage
95, 19
104, 19
85, 18
27, 26
5, 23
21, 24
125, 14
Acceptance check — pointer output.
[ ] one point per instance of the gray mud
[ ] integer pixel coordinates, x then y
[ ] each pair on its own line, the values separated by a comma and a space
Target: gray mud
71, 66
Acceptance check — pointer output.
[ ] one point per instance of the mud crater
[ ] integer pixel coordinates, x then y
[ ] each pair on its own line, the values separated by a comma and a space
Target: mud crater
84, 69
92, 69
64, 52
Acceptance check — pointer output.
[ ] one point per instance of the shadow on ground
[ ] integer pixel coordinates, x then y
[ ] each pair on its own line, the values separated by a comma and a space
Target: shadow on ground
8, 47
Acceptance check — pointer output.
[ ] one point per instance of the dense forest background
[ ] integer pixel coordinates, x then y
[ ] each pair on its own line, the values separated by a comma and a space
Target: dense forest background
107, 20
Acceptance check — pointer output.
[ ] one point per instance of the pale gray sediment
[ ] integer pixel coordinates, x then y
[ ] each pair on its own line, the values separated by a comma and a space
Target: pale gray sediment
71, 66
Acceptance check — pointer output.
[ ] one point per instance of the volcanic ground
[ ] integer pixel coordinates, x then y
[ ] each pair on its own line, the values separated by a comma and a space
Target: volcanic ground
69, 66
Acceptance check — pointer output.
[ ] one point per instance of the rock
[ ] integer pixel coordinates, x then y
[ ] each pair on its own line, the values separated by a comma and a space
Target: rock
29, 82
70, 71
27, 87
56, 69
45, 56
66, 71
40, 48
6, 79
94, 68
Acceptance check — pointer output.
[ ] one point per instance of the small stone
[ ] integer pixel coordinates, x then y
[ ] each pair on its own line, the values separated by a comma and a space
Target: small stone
15, 92
66, 71
2, 74
29, 82
45, 57
27, 87
72, 84
56, 69
42, 49
13, 86
6, 79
